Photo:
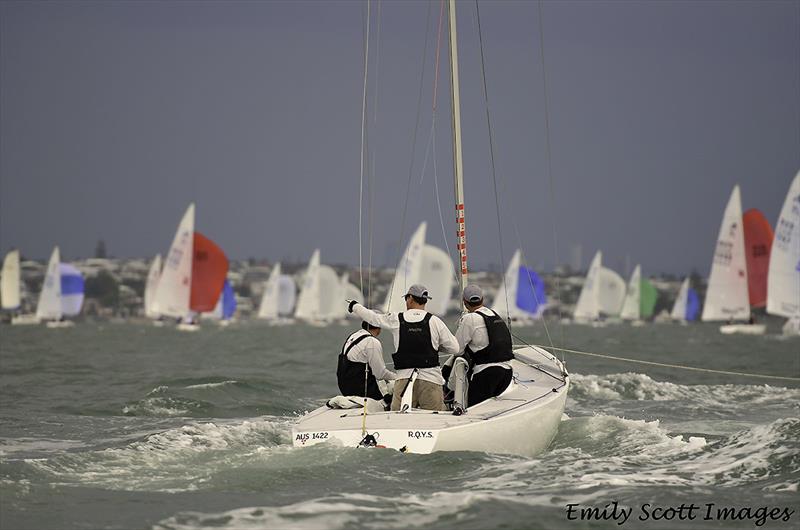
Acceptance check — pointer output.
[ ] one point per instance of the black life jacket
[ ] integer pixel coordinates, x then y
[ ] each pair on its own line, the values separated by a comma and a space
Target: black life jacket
500, 347
350, 374
415, 349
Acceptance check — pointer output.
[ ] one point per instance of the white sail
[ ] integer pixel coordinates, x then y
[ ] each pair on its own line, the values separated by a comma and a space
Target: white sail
49, 307
631, 306
175, 286
610, 292
783, 280
438, 275
505, 300
727, 296
308, 303
350, 291
588, 307
679, 308
287, 295
269, 299
151, 288
407, 272
9, 285
331, 295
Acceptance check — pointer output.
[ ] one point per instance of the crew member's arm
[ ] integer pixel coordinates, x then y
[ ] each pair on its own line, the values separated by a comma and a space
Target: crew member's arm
465, 330
375, 360
385, 321
447, 342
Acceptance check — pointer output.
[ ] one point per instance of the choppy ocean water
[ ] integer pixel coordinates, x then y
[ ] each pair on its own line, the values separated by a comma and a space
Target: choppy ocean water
132, 426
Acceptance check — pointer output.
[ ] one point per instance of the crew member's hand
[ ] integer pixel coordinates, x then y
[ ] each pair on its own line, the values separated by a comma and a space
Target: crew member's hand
350, 304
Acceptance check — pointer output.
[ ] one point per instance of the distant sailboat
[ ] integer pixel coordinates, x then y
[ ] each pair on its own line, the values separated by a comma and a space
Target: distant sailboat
151, 288
425, 264
10, 290
521, 296
49, 307
610, 292
278, 298
727, 295
587, 309
631, 307
72, 287
757, 244
687, 305
783, 280
226, 305
320, 299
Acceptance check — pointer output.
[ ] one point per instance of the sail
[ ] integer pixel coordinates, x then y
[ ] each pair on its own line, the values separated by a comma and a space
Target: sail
679, 307
588, 307
647, 299
531, 298
269, 299
505, 300
610, 292
228, 299
49, 306
438, 275
175, 284
727, 296
692, 305
308, 303
151, 287
9, 284
287, 293
407, 272
631, 307
783, 281
757, 244
209, 269
71, 289
350, 291
331, 294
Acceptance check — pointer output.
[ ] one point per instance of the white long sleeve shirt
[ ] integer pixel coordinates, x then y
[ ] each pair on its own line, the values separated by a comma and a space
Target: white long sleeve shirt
472, 332
368, 351
441, 339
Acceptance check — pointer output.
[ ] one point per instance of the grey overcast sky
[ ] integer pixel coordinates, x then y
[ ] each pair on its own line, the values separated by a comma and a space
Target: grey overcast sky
115, 115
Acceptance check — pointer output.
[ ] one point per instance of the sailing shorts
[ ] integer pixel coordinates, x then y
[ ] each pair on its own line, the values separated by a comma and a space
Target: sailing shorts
426, 395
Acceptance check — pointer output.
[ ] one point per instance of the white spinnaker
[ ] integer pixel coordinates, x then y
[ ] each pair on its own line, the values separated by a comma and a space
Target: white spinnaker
610, 292
727, 296
588, 307
175, 286
350, 292
308, 303
407, 272
49, 307
679, 309
287, 295
505, 301
151, 288
438, 275
9, 285
783, 281
331, 295
631, 307
269, 299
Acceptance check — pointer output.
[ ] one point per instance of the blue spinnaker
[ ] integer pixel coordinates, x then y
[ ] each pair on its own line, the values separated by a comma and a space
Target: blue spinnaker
228, 300
692, 304
531, 297
71, 289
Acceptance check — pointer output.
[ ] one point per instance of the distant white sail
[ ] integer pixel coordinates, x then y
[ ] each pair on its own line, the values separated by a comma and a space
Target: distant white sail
331, 295
727, 296
308, 303
151, 288
679, 309
588, 307
287, 295
9, 285
269, 299
505, 300
438, 275
631, 307
49, 307
610, 292
407, 273
175, 286
783, 280
350, 291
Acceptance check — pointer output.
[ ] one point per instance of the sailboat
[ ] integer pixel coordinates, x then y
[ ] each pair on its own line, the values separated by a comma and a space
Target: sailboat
72, 287
49, 308
587, 309
640, 299
10, 287
687, 304
727, 296
320, 301
425, 264
278, 298
783, 279
192, 277
521, 297
523, 420
226, 305
150, 289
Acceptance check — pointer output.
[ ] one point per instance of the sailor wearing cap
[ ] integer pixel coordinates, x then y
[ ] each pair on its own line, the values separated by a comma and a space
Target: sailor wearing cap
418, 337
484, 337
361, 364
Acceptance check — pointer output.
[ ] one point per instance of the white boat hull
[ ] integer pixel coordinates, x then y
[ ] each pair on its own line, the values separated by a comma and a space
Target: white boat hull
57, 324
24, 320
522, 421
744, 329
183, 326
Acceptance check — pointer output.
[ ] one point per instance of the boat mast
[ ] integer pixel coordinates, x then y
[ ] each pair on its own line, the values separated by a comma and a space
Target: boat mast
458, 165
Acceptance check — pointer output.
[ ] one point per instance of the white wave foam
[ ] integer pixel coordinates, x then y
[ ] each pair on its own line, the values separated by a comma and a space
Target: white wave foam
212, 385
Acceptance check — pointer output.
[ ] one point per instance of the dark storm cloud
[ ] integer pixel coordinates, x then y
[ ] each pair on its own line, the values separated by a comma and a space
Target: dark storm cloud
114, 116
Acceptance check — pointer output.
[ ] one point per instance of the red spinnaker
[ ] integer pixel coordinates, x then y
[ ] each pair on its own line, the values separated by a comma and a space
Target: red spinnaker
209, 268
757, 246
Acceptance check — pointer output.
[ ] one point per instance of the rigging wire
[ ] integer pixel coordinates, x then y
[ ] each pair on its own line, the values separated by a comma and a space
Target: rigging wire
371, 173
363, 141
